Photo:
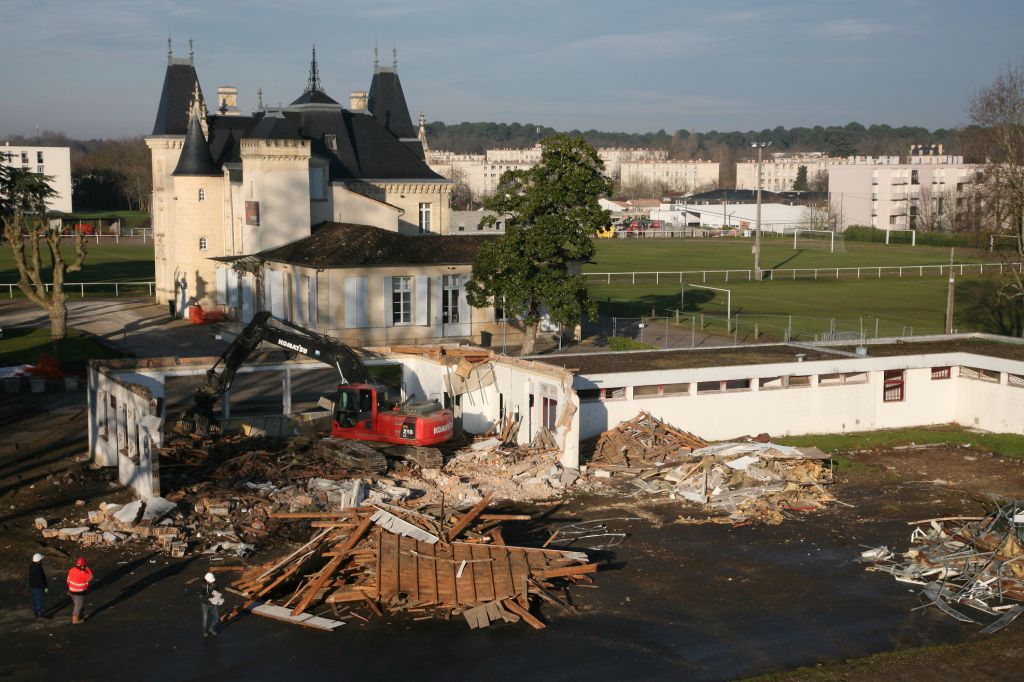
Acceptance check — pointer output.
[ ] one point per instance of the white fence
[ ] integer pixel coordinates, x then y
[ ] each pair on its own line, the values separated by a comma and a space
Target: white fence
79, 287
747, 275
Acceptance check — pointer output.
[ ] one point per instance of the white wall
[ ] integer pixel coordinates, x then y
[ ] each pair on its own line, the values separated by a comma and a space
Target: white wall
56, 163
815, 408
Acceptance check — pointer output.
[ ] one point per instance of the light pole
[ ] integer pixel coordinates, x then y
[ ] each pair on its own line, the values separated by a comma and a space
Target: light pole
757, 233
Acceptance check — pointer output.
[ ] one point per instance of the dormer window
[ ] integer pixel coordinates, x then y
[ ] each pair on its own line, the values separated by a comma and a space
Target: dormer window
331, 141
202, 242
202, 194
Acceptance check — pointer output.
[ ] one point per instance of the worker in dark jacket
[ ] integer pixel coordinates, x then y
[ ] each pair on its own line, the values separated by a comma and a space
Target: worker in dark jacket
37, 583
209, 599
79, 578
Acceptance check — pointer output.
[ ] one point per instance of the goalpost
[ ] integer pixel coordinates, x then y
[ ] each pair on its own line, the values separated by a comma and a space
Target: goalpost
897, 237
1001, 242
826, 240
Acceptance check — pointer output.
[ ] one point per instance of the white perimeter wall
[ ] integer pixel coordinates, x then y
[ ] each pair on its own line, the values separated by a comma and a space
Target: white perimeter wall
816, 408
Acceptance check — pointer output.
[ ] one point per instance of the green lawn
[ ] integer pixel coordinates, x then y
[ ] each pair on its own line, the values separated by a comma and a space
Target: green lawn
902, 306
128, 218
25, 346
103, 263
1003, 444
669, 255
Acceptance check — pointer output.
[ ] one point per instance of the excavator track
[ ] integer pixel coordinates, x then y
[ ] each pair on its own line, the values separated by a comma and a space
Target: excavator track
425, 458
356, 454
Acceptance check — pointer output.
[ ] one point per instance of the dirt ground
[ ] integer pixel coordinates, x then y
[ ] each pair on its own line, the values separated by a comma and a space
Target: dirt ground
674, 599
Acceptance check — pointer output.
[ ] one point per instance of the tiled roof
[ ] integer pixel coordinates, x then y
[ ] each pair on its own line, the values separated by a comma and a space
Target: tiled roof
172, 114
342, 245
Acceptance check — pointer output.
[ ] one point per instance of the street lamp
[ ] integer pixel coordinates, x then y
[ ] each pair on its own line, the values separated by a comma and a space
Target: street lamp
757, 233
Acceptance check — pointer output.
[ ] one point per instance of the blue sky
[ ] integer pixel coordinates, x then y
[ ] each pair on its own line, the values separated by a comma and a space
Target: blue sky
95, 68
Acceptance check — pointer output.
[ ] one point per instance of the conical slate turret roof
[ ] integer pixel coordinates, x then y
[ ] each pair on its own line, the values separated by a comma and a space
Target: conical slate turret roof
195, 156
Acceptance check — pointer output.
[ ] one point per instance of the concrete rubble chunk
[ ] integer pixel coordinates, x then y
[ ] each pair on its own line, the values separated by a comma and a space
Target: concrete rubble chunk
40, 523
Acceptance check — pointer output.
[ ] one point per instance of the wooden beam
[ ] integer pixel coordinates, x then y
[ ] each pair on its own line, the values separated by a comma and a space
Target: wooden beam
319, 515
505, 517
468, 518
515, 608
566, 570
354, 537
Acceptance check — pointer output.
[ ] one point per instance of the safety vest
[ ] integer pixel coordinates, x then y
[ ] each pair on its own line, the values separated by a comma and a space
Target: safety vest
78, 579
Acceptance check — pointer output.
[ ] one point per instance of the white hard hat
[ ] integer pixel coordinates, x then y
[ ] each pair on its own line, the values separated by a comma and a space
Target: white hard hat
209, 577
37, 557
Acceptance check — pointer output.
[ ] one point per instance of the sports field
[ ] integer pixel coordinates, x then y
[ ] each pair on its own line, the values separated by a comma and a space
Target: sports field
891, 305
667, 255
105, 262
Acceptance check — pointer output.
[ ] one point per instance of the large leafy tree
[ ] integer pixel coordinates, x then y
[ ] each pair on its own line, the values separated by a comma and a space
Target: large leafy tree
998, 112
551, 212
23, 198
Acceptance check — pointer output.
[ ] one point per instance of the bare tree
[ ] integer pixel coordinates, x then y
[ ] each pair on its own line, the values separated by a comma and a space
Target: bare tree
998, 111
819, 182
935, 210
820, 215
23, 198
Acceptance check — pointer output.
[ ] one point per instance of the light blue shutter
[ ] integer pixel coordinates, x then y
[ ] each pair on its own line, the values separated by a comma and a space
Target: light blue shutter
276, 292
232, 288
247, 302
222, 286
437, 302
389, 303
298, 312
356, 303
312, 317
422, 294
465, 312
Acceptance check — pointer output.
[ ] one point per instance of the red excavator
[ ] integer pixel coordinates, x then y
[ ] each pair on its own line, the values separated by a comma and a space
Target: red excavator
362, 407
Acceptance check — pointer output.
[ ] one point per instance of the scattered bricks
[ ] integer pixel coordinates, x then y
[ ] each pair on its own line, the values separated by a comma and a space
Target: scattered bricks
178, 549
96, 517
91, 537
41, 523
50, 533
71, 533
160, 532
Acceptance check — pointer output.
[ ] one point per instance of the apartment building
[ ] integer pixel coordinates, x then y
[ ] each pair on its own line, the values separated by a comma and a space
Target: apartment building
923, 193
54, 162
676, 175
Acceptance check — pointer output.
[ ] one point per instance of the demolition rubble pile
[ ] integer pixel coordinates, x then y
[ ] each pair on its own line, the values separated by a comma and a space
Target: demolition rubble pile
370, 560
970, 568
748, 481
225, 491
497, 467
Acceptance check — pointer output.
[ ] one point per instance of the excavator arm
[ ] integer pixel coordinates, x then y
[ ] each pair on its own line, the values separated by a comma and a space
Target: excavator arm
266, 327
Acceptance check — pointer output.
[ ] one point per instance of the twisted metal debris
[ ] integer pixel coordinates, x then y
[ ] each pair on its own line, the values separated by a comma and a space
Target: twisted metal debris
970, 568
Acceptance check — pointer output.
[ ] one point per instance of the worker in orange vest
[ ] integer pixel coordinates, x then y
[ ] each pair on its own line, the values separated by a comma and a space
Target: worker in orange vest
79, 578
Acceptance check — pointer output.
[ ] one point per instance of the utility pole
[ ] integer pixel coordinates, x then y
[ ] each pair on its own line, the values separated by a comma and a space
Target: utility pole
757, 233
950, 294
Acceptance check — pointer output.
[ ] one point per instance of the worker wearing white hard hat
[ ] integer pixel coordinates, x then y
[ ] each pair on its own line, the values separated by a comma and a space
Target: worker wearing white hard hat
37, 583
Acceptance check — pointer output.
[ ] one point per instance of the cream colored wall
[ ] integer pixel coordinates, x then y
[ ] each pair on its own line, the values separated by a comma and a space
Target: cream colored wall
56, 165
193, 220
674, 173
164, 153
408, 196
276, 174
353, 207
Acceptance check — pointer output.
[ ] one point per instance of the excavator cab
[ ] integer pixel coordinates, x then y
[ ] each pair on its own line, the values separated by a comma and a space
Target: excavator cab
355, 405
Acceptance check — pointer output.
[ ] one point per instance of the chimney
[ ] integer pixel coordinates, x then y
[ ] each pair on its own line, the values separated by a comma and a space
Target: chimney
357, 100
227, 101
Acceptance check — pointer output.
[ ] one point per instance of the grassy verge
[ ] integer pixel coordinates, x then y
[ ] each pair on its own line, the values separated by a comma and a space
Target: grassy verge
624, 343
103, 263
668, 255
21, 346
1003, 444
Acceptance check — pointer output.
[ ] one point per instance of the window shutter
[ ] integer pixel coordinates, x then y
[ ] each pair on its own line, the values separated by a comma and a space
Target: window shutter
355, 303
232, 288
311, 296
275, 292
222, 286
389, 303
298, 311
422, 294
247, 300
436, 301
465, 312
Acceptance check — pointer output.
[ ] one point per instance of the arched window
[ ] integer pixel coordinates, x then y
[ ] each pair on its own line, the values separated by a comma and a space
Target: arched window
202, 194
202, 242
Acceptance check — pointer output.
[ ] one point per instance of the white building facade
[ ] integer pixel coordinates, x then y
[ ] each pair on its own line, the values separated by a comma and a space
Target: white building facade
54, 162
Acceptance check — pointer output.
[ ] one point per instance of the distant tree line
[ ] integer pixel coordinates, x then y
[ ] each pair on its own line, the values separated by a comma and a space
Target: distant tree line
106, 175
725, 147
